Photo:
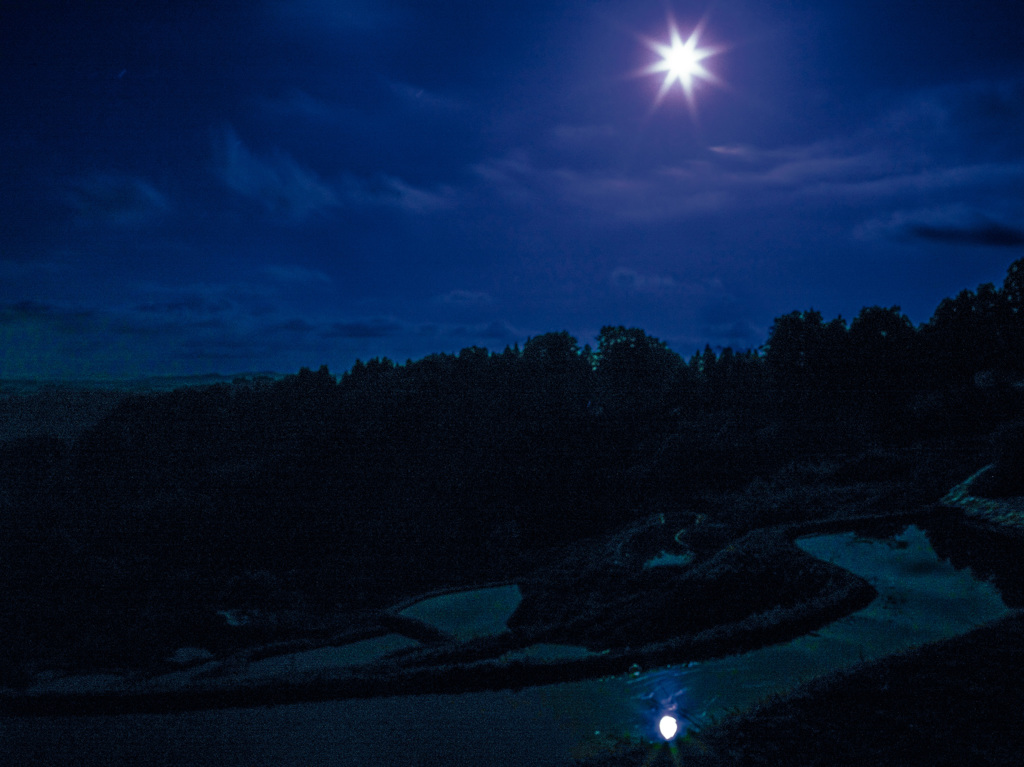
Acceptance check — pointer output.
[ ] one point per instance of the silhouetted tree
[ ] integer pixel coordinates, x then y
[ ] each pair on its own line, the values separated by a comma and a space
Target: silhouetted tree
965, 335
559, 375
807, 359
1012, 295
635, 373
882, 359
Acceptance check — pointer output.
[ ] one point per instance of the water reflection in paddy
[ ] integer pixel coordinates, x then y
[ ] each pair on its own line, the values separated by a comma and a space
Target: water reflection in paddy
920, 599
469, 614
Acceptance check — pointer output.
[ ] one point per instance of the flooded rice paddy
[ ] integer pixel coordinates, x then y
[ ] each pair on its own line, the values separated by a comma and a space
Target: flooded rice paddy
921, 598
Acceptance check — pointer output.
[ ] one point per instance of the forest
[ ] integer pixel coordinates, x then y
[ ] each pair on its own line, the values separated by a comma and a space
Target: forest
353, 491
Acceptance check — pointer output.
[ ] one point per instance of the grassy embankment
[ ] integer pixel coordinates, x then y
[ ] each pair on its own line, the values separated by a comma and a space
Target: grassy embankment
748, 587
795, 593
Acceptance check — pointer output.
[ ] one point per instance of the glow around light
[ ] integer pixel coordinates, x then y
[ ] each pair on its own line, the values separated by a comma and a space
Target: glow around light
668, 727
682, 61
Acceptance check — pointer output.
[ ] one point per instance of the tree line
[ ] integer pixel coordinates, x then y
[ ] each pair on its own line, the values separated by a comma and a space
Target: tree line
393, 477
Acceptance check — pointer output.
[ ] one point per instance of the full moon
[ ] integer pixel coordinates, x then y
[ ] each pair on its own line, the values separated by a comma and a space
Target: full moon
682, 61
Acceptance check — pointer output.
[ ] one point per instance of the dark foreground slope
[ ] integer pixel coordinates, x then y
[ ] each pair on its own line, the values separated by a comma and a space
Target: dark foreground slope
958, 701
953, 702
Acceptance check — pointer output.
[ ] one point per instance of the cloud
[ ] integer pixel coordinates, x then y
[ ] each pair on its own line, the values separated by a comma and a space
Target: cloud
936, 145
499, 331
608, 196
736, 151
739, 334
632, 281
465, 298
66, 317
421, 98
302, 105
990, 233
171, 329
496, 330
296, 275
795, 165
982, 119
810, 171
201, 299
391, 192
935, 181
214, 324
720, 179
954, 224
115, 200
278, 183
295, 193
728, 319
167, 316
932, 147
189, 306
372, 328
581, 137
292, 326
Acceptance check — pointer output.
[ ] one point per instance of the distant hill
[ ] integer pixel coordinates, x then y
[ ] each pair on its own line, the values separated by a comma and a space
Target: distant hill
64, 408
144, 384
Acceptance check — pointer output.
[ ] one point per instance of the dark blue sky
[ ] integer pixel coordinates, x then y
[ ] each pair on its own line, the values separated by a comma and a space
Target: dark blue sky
192, 187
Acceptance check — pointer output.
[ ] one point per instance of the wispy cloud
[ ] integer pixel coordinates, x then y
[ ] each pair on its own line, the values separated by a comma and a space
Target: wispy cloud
309, 107
936, 147
296, 275
294, 192
114, 199
423, 98
211, 324
586, 137
188, 305
369, 328
278, 182
465, 298
989, 233
66, 317
631, 281
609, 196
937, 182
496, 330
954, 224
293, 326
391, 192
200, 301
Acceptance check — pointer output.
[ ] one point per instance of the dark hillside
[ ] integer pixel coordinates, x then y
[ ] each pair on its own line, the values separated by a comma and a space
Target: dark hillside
454, 469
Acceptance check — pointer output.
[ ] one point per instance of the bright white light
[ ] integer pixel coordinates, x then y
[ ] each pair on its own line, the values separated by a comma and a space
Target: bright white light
681, 60
668, 727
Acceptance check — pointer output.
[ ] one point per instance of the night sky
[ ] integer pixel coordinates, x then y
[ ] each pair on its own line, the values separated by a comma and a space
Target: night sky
194, 187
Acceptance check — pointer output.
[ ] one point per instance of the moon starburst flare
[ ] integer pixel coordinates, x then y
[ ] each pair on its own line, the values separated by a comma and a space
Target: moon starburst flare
682, 61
